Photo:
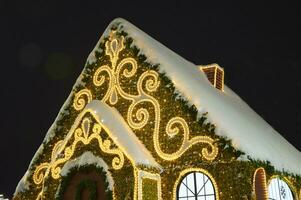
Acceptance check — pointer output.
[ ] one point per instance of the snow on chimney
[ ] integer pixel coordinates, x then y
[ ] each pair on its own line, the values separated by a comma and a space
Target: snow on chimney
215, 75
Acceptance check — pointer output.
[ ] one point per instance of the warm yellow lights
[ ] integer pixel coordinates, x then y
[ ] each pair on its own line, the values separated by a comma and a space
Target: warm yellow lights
85, 129
38, 175
147, 175
85, 133
147, 82
114, 47
172, 130
259, 184
187, 171
79, 101
175, 138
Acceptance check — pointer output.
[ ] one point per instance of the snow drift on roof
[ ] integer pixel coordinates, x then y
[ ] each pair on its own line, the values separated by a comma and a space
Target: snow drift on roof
123, 135
232, 116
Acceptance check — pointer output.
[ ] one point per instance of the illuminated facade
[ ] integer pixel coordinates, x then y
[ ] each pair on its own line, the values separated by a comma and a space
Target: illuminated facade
126, 132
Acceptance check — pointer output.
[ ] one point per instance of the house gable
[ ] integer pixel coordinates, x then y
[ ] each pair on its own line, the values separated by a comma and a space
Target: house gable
145, 99
172, 129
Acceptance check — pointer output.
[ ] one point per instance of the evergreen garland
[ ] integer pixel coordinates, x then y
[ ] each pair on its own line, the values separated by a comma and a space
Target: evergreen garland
233, 176
91, 185
86, 184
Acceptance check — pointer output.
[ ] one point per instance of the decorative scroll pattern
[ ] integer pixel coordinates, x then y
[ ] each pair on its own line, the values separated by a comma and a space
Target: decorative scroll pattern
200, 170
79, 100
63, 151
148, 82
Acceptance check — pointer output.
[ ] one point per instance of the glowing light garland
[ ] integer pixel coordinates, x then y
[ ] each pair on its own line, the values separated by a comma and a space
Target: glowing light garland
79, 101
147, 175
264, 182
186, 171
136, 118
84, 130
83, 134
150, 81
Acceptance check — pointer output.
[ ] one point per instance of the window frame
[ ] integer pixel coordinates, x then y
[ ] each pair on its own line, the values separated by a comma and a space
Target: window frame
186, 172
286, 181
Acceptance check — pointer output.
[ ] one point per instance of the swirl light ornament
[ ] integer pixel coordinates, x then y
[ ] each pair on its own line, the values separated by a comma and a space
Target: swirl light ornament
63, 150
148, 82
79, 101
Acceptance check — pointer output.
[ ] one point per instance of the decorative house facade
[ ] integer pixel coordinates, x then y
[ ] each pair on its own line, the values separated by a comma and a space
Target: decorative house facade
143, 123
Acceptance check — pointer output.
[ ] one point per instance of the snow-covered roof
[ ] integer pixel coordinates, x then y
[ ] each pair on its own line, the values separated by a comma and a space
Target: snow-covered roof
231, 115
88, 158
121, 133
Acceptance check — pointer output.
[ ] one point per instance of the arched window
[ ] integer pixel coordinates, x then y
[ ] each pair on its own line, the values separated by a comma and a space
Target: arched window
259, 184
279, 190
196, 185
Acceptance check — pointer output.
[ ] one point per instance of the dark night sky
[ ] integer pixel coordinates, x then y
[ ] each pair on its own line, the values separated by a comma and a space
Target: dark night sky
45, 45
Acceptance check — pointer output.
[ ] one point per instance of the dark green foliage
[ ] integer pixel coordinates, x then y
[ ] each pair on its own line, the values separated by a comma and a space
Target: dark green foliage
149, 189
91, 185
86, 184
233, 177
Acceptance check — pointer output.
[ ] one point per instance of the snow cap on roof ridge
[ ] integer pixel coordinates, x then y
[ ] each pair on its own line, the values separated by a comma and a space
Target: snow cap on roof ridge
231, 115
122, 134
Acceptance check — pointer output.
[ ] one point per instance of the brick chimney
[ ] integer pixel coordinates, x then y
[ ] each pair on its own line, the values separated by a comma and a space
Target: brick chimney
215, 75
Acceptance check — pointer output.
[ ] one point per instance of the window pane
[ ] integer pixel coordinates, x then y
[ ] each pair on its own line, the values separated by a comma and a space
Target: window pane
279, 190
182, 190
210, 198
196, 185
190, 182
200, 183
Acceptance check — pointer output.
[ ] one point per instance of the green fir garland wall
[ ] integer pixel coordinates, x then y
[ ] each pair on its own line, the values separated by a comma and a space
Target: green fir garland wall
234, 177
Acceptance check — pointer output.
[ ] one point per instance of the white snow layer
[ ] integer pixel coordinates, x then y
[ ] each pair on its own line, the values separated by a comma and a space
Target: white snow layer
122, 134
232, 116
23, 184
88, 158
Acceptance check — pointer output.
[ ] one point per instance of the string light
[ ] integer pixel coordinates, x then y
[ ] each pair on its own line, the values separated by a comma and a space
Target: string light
188, 170
113, 48
79, 101
151, 79
147, 175
84, 129
80, 133
263, 192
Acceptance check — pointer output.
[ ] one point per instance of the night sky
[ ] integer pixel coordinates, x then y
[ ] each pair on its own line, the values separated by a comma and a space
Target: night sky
44, 47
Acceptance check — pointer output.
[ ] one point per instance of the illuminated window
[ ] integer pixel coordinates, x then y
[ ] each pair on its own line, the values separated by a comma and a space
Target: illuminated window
279, 190
196, 186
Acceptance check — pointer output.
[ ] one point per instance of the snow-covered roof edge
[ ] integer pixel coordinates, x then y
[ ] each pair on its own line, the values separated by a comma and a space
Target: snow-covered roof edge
122, 134
88, 158
232, 116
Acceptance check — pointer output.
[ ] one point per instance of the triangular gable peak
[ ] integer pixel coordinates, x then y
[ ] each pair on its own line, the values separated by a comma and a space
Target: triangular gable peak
114, 74
112, 71
120, 79
94, 122
151, 87
233, 118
